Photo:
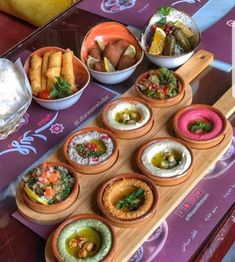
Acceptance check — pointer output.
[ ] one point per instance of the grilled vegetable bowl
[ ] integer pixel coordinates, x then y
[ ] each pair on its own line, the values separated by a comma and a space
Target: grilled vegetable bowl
50, 187
170, 37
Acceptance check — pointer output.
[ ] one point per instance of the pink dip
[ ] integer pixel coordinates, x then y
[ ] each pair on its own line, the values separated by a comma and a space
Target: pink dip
198, 114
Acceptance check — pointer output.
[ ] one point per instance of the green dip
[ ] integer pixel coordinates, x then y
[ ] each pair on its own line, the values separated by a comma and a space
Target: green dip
94, 231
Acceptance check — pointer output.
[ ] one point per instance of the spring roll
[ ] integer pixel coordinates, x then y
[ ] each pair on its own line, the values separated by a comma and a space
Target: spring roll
54, 68
67, 69
35, 74
45, 60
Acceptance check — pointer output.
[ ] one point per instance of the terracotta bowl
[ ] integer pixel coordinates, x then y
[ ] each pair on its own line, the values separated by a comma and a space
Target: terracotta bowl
82, 76
57, 207
174, 60
134, 132
161, 181
165, 102
200, 144
128, 223
109, 32
97, 168
77, 218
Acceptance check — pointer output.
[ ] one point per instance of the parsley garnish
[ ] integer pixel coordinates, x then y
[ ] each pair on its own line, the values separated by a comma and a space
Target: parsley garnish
82, 152
201, 126
165, 10
133, 201
162, 21
149, 93
61, 89
172, 92
153, 79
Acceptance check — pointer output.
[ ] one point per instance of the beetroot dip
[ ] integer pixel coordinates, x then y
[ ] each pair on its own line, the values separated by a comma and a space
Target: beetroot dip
200, 114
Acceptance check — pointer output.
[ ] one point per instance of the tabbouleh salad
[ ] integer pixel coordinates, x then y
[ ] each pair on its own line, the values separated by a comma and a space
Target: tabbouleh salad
52, 184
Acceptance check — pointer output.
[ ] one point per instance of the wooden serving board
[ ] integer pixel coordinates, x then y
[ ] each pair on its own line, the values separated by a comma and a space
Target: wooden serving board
128, 240
43, 219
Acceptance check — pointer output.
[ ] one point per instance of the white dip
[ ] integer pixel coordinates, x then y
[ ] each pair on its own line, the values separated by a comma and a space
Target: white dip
85, 138
13, 93
130, 105
164, 146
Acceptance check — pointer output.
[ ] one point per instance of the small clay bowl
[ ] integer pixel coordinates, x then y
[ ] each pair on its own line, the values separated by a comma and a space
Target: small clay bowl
164, 102
110, 32
200, 143
57, 207
82, 77
128, 223
75, 218
164, 181
139, 129
96, 168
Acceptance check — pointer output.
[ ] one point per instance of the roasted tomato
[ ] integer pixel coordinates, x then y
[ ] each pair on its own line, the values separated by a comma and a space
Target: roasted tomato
45, 94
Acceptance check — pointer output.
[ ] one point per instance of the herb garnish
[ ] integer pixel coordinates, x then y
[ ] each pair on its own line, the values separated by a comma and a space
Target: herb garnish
207, 127
162, 21
88, 153
165, 10
133, 201
61, 89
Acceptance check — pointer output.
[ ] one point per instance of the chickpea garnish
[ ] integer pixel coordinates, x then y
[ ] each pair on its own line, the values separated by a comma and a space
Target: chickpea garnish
89, 246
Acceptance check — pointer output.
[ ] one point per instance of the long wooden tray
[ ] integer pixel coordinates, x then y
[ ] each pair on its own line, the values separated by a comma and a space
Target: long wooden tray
128, 240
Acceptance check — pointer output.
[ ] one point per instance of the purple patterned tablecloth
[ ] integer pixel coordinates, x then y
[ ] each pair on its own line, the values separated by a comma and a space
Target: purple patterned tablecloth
135, 12
42, 131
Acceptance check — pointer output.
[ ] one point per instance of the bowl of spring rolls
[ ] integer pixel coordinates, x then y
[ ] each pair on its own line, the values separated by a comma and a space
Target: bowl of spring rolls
56, 76
111, 52
170, 37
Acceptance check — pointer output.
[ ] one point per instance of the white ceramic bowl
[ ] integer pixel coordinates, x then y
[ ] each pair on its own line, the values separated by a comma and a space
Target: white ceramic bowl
169, 61
115, 77
60, 104
81, 72
106, 32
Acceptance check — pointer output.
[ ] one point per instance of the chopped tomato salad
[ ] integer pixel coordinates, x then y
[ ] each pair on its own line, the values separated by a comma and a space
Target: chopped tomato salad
159, 84
52, 184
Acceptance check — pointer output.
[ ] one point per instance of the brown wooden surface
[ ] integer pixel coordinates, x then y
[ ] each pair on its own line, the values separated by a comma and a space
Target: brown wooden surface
226, 104
43, 219
128, 240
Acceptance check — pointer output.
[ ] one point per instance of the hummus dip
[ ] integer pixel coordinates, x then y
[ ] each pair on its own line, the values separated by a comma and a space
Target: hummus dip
165, 147
91, 230
120, 190
82, 148
128, 115
201, 115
